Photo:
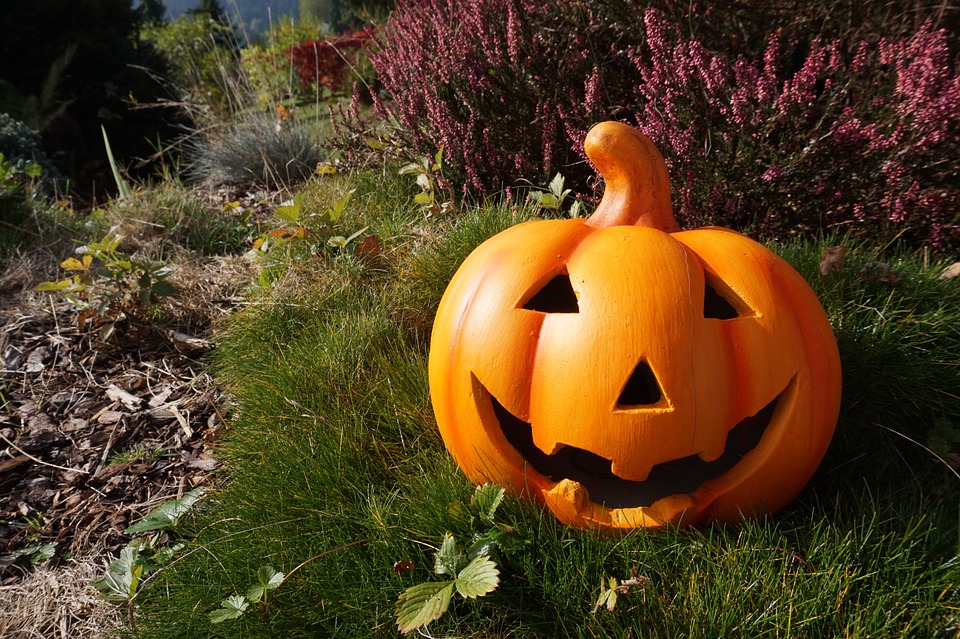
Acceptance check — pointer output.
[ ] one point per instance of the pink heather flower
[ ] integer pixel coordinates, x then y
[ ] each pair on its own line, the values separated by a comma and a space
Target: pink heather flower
860, 58
767, 82
656, 34
592, 101
771, 174
513, 35
799, 90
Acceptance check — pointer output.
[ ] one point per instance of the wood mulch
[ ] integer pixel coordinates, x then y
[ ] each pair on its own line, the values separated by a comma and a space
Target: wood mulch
94, 434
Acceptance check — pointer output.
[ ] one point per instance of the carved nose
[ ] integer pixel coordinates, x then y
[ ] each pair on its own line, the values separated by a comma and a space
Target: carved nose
641, 389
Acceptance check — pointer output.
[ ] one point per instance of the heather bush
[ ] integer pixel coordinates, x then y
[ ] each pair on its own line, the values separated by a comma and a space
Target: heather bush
497, 83
861, 143
793, 131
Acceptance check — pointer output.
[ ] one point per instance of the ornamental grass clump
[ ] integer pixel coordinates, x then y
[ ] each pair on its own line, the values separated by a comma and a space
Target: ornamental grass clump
262, 148
792, 130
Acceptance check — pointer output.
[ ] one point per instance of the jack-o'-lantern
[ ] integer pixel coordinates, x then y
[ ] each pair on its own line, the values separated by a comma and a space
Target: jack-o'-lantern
626, 373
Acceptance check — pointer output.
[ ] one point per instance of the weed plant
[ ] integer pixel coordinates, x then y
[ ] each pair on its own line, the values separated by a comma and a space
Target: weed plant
334, 468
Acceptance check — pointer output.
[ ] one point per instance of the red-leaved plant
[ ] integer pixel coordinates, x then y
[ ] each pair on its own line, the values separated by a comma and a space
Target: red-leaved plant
330, 63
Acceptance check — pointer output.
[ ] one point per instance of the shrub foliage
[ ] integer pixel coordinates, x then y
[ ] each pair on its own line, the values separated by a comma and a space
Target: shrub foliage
807, 127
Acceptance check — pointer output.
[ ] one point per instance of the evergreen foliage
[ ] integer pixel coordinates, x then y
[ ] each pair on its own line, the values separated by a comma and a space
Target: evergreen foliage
20, 144
153, 11
86, 67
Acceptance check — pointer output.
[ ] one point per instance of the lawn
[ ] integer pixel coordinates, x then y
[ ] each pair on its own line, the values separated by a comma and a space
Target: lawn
335, 475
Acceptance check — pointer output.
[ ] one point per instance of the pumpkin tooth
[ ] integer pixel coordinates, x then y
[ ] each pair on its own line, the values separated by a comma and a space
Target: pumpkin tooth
713, 452
547, 446
567, 499
633, 472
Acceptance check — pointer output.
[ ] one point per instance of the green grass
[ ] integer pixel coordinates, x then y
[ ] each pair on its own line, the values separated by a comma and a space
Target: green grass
166, 217
332, 458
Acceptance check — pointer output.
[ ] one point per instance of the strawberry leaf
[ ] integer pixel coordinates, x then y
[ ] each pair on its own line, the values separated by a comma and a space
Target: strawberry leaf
478, 578
423, 603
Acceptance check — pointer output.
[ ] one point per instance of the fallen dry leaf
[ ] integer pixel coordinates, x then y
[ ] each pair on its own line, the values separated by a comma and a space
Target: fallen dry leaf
879, 272
831, 261
369, 249
951, 271
403, 566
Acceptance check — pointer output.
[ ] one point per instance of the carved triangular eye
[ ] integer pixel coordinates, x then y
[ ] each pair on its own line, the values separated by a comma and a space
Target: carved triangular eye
719, 302
556, 296
641, 389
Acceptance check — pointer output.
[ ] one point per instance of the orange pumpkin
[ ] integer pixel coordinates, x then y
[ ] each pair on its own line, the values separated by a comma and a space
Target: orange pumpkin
626, 373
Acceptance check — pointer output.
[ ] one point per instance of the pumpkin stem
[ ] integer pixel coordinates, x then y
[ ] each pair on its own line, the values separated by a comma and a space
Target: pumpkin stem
637, 183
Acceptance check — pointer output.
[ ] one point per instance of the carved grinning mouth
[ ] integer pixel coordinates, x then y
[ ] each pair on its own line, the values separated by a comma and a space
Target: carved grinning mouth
593, 472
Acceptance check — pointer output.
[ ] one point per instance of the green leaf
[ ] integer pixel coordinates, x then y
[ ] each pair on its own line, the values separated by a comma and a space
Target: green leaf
230, 608
608, 596
291, 210
356, 235
255, 593
340, 242
450, 558
419, 605
556, 185
423, 198
167, 514
478, 578
33, 170
485, 501
36, 552
52, 286
122, 578
122, 187
165, 554
336, 212
268, 579
548, 201
44, 552
485, 545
